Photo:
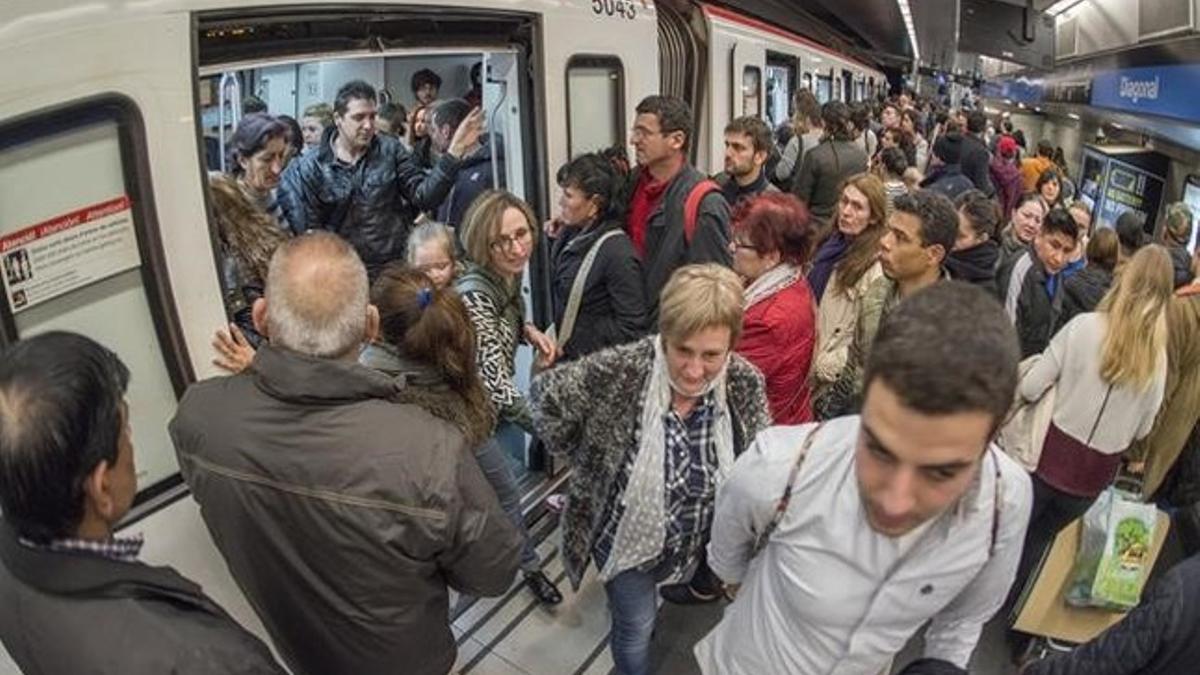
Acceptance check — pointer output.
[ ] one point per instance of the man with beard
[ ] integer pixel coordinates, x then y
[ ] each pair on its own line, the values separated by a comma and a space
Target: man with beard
747, 148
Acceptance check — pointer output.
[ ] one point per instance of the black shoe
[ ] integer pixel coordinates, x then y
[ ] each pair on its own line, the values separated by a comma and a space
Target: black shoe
684, 594
545, 590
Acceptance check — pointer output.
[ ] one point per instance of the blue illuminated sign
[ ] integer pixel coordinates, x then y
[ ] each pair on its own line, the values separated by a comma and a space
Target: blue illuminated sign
1167, 91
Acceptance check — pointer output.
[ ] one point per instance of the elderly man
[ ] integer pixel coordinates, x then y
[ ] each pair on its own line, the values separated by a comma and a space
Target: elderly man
75, 598
651, 429
342, 515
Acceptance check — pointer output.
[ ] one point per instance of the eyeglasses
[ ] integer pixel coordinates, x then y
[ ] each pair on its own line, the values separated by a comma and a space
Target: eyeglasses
523, 236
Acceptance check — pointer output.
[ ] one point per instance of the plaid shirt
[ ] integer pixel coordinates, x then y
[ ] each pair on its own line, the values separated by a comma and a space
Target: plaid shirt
123, 549
690, 474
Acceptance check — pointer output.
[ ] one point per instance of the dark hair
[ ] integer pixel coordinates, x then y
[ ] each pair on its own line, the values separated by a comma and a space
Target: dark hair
61, 414
295, 133
1045, 149
253, 133
1104, 249
835, 115
1061, 222
354, 90
808, 108
1027, 197
890, 104
981, 211
948, 147
396, 116
423, 77
906, 143
949, 348
673, 113
593, 175
755, 128
914, 117
450, 113
939, 220
1047, 176
894, 161
860, 115
775, 221
976, 122
432, 327
253, 104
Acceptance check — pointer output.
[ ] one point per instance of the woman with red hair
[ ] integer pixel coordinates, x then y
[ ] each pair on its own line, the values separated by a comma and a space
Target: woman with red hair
772, 237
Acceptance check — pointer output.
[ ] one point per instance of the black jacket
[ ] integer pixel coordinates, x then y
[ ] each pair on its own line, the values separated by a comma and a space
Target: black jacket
612, 310
78, 613
666, 248
1159, 637
371, 204
976, 265
1083, 291
1181, 261
1036, 312
473, 179
976, 162
822, 171
948, 180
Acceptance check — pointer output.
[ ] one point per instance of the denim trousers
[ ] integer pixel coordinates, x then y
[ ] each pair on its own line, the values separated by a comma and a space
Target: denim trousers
633, 604
493, 461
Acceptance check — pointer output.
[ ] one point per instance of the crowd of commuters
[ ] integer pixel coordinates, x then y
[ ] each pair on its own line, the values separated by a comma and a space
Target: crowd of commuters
776, 387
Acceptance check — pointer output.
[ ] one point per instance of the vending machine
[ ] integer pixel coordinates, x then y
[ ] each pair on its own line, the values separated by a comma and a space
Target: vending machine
1116, 179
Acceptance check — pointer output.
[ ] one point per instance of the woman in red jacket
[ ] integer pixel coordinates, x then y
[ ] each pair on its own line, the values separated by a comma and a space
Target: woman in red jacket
771, 241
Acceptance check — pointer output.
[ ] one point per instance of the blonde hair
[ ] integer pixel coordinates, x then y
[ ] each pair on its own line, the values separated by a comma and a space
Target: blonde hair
321, 111
481, 225
698, 297
427, 232
1137, 327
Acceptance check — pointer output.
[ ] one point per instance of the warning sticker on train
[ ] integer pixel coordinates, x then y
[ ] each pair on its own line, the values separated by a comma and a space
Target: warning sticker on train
57, 256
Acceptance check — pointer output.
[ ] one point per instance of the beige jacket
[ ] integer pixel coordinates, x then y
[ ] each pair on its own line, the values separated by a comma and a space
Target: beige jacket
836, 319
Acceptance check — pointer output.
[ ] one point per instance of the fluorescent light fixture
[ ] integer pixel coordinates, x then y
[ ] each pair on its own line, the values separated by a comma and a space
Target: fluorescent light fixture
1062, 6
1073, 116
906, 12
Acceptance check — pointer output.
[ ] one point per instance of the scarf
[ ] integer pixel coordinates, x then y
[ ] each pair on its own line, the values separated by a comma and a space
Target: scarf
832, 251
641, 533
771, 282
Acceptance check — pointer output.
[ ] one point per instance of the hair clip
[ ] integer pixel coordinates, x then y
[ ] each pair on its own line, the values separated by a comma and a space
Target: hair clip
425, 297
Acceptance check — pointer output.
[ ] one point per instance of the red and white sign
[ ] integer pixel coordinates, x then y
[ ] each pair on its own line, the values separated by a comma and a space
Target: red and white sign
57, 256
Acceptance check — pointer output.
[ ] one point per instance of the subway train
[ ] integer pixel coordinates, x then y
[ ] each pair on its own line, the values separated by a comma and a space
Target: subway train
107, 108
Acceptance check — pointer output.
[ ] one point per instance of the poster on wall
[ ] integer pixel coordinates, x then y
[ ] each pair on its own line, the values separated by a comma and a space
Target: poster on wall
54, 257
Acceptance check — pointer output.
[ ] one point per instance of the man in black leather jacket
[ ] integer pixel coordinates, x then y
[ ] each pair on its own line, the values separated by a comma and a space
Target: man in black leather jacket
364, 186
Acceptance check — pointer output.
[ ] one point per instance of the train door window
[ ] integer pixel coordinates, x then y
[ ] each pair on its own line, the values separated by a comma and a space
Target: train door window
80, 245
806, 81
824, 89
781, 89
752, 91
595, 104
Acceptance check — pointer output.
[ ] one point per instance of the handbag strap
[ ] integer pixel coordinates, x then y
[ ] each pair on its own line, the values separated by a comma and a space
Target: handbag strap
781, 506
576, 297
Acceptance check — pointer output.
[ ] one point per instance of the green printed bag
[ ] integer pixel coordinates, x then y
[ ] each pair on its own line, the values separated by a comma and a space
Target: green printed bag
1114, 552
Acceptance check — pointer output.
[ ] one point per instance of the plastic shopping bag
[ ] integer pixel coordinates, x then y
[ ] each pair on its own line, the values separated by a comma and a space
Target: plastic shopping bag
1114, 552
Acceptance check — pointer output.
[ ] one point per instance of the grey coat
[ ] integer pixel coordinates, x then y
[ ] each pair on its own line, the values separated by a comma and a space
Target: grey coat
588, 411
77, 613
342, 514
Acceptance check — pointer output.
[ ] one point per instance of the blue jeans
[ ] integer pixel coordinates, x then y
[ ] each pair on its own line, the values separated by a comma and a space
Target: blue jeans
633, 603
493, 461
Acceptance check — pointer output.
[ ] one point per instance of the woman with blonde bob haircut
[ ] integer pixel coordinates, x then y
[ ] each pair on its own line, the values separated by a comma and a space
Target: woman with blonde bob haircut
1110, 370
650, 430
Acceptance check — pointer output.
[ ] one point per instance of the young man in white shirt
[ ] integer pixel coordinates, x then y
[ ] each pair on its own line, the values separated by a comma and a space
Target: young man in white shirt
904, 515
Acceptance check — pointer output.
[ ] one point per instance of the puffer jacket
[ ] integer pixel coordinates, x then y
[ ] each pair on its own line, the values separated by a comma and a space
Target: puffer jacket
342, 514
612, 310
371, 204
588, 412
1083, 291
1157, 638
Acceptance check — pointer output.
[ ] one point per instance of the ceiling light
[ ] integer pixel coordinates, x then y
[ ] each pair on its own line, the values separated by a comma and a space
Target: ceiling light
1073, 116
1061, 6
906, 12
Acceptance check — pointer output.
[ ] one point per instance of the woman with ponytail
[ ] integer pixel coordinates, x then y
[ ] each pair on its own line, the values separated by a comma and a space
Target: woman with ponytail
427, 339
1110, 371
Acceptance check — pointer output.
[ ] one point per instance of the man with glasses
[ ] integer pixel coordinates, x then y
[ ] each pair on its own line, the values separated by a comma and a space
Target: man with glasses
665, 232
366, 187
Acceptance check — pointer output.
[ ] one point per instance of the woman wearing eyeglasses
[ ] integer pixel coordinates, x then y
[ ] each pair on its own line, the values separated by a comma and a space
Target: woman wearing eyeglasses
498, 234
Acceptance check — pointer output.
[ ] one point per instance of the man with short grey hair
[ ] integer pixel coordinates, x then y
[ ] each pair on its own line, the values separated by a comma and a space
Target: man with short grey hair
342, 515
